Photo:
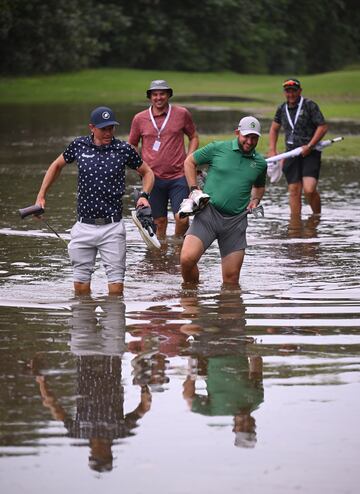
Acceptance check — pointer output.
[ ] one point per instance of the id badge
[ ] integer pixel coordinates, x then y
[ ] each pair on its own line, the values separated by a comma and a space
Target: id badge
156, 145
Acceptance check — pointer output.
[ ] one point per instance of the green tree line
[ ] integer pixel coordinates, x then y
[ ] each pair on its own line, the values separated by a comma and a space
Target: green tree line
246, 36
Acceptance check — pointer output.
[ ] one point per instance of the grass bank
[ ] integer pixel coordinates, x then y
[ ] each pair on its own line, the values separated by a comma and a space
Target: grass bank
337, 92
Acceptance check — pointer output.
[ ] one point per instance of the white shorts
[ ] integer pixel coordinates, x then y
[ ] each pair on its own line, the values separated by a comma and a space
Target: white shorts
87, 240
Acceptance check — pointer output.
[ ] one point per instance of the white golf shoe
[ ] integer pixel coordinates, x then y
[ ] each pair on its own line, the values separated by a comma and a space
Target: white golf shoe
196, 201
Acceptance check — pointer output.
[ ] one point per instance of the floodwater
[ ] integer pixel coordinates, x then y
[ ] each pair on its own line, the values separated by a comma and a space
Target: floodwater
170, 390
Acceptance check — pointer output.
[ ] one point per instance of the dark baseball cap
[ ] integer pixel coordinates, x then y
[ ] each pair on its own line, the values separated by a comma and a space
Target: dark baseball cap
103, 116
291, 84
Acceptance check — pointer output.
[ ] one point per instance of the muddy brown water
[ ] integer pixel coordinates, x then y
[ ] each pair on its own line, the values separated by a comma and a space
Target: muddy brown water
171, 390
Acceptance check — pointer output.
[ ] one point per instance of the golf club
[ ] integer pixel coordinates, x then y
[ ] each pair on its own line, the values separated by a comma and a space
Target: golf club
38, 211
257, 212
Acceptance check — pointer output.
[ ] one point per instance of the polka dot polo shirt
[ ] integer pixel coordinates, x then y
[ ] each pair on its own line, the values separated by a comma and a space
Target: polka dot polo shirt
101, 179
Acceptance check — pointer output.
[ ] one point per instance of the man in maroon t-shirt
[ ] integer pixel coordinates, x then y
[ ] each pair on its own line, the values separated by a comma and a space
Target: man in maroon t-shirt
161, 129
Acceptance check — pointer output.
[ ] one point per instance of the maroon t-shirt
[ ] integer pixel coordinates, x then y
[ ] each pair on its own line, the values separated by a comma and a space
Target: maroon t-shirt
168, 161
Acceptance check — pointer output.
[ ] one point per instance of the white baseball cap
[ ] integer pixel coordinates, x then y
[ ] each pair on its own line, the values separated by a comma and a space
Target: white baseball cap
249, 125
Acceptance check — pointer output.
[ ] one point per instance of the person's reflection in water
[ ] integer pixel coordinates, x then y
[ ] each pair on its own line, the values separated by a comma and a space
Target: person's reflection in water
159, 337
149, 369
98, 341
299, 228
219, 353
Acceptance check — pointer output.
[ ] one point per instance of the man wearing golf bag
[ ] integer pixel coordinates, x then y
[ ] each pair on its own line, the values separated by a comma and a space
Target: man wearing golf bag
101, 161
235, 185
304, 125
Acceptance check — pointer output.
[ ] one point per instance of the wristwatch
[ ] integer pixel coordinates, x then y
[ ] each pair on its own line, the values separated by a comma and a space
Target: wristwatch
144, 194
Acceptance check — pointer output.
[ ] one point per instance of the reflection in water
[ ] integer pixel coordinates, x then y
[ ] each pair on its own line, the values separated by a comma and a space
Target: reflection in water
98, 341
219, 354
304, 228
98, 327
233, 387
212, 334
156, 340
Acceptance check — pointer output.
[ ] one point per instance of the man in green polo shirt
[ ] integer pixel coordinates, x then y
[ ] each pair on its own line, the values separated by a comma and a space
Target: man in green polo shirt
235, 183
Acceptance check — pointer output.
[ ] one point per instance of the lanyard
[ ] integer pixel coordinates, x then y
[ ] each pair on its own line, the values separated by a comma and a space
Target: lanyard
292, 125
164, 122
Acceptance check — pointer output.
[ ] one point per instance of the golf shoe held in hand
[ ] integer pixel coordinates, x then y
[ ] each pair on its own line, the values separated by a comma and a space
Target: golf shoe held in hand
196, 201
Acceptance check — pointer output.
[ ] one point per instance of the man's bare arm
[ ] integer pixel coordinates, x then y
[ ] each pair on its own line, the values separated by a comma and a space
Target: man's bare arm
51, 175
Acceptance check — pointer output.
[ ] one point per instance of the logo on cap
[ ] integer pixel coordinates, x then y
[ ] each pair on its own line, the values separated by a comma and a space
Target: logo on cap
249, 125
105, 115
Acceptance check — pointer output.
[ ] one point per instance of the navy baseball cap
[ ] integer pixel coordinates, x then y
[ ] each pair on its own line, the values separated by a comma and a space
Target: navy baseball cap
103, 116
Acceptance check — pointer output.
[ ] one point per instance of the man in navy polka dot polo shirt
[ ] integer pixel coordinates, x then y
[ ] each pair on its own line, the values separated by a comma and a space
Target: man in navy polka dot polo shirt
101, 161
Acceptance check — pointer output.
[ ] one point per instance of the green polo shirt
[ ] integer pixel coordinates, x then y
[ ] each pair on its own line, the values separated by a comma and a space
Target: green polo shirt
229, 388
231, 174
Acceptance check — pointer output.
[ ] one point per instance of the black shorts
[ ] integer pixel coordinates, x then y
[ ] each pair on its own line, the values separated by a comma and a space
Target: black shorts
296, 168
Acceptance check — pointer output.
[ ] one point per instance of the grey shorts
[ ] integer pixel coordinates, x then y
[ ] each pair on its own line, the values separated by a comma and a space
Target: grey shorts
230, 231
87, 240
98, 333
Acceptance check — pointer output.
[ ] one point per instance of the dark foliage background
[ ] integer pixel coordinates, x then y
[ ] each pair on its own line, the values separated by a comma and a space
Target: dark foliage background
261, 36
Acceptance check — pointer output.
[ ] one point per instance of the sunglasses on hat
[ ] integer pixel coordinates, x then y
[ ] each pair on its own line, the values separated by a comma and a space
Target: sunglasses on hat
292, 84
